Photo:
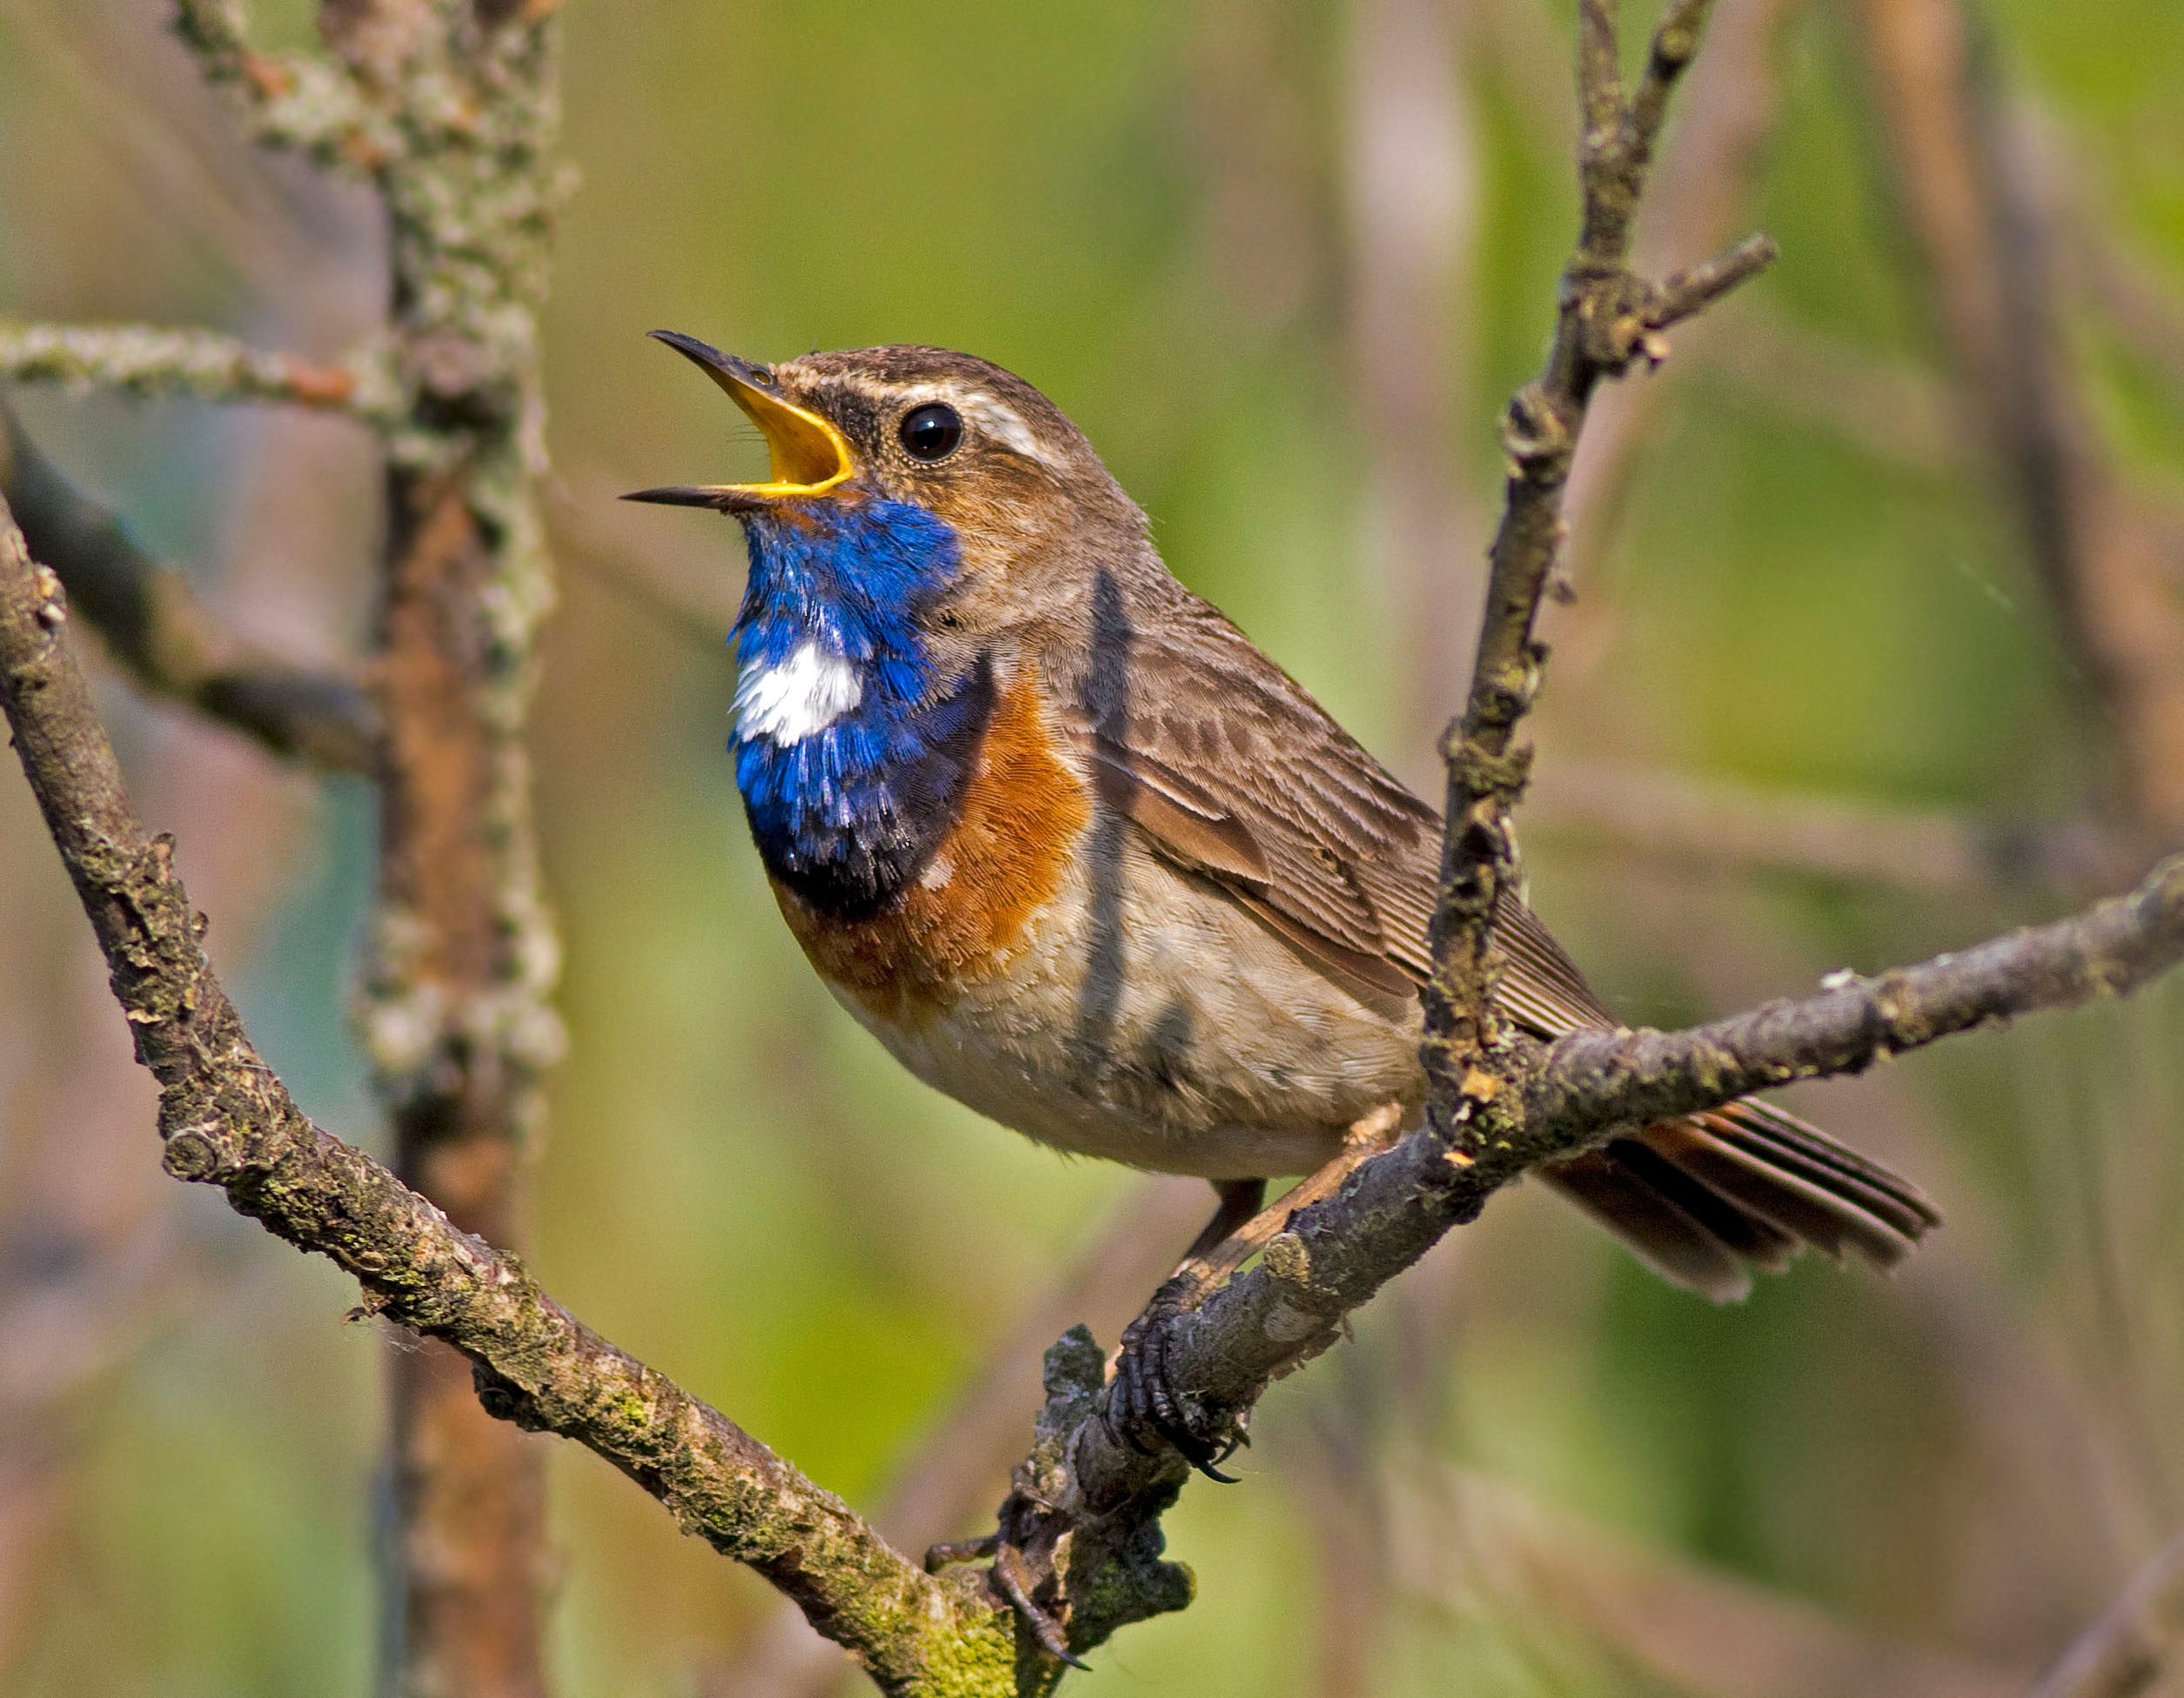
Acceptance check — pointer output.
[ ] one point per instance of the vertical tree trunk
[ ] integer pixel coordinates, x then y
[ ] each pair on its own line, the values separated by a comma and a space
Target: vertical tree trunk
469, 1547
454, 1011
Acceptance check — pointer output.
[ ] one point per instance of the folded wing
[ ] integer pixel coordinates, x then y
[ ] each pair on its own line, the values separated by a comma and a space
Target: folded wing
1234, 773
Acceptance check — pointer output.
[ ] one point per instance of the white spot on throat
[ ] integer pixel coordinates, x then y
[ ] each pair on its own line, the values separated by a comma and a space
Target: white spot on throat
788, 701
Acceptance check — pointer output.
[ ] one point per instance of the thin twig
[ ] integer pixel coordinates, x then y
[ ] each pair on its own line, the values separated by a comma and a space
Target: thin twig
154, 624
227, 1120
1974, 203
1708, 822
1608, 316
2137, 1637
1704, 181
144, 359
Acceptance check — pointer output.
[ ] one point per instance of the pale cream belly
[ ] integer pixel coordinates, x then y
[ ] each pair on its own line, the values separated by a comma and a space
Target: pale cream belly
1190, 1041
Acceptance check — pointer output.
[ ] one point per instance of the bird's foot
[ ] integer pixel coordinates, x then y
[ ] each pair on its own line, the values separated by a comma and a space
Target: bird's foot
1142, 1404
1010, 1576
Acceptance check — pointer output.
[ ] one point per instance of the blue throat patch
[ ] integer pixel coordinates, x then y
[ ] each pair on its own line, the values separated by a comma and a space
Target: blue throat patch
848, 814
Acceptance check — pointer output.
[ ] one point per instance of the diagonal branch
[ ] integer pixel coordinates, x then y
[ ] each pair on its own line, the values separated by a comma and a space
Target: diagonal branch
227, 1120
2125, 1651
172, 646
144, 359
1086, 1499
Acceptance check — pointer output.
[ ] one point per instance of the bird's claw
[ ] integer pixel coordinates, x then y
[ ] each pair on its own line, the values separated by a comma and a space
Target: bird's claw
1014, 1582
1142, 1403
1044, 1626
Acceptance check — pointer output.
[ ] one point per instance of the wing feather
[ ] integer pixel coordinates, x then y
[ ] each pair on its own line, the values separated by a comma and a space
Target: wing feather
1233, 771
1234, 774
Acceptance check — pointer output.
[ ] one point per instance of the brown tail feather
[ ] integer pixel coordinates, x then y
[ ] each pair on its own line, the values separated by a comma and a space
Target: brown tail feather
1703, 1201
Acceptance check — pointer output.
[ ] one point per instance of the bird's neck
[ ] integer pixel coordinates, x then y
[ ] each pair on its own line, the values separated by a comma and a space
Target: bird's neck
851, 749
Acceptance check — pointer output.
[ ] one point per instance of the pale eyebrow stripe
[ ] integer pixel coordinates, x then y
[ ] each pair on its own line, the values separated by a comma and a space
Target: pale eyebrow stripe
1006, 425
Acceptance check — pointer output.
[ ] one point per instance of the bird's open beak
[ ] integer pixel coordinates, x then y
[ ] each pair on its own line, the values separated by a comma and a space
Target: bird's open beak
810, 455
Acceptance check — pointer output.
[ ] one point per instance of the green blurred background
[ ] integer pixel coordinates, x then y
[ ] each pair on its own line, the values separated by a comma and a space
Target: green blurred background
1283, 262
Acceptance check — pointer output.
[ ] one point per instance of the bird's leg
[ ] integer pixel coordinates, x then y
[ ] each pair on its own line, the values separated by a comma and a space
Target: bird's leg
1240, 1202
1139, 1398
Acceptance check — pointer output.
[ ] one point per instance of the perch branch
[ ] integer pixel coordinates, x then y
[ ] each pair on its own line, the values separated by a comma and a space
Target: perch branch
1083, 1497
227, 1120
154, 624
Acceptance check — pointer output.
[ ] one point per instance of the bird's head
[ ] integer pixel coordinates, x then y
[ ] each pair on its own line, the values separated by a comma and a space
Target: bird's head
884, 451
927, 512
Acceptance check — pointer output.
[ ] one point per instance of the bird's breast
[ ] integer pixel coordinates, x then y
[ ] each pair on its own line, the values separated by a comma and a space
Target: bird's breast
971, 909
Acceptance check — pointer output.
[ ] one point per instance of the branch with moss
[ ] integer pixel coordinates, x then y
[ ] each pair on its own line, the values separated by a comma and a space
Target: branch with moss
460, 1028
170, 642
450, 110
227, 1120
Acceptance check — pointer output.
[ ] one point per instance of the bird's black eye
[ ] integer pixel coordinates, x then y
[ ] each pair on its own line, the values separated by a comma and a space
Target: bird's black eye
931, 432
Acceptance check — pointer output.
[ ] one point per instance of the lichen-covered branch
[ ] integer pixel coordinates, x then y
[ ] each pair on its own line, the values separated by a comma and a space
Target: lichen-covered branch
227, 1120
288, 100
154, 624
144, 359
450, 109
455, 1009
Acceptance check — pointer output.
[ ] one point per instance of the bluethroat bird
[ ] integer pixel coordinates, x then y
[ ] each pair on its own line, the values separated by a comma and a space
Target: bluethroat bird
1080, 856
